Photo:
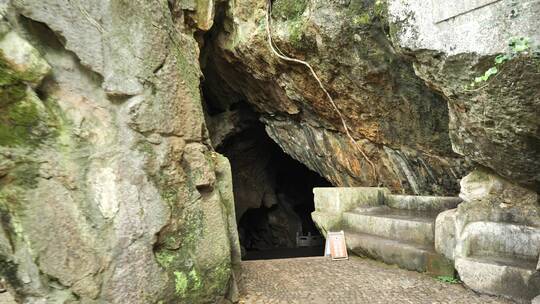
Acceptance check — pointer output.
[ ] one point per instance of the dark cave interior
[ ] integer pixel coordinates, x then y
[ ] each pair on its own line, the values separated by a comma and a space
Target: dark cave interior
274, 198
273, 192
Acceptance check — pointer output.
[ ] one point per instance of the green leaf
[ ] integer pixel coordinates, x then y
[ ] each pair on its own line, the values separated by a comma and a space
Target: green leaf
521, 48
491, 71
501, 58
448, 279
519, 44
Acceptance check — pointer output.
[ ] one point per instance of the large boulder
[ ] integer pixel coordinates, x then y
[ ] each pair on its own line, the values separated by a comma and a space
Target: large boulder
493, 120
110, 191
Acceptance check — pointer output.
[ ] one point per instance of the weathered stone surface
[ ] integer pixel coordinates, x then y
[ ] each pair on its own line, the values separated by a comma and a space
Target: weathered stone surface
22, 59
445, 233
494, 123
342, 199
458, 27
422, 203
518, 283
493, 236
403, 236
397, 224
109, 190
489, 197
398, 121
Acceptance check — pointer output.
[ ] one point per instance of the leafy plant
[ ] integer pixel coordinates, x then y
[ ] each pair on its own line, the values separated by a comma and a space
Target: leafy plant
517, 46
448, 279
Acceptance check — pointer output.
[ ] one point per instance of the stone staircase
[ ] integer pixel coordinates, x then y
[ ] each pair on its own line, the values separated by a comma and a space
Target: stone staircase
396, 236
503, 255
396, 229
492, 252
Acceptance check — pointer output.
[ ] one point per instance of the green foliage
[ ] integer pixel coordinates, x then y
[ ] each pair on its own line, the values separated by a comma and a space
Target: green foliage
165, 258
364, 18
448, 279
517, 46
366, 13
18, 120
296, 32
181, 283
288, 9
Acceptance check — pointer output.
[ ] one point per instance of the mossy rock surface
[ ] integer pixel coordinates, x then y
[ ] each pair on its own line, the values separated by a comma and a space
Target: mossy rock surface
288, 9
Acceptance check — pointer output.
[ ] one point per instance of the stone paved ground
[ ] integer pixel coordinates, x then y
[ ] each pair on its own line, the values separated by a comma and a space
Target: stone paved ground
319, 280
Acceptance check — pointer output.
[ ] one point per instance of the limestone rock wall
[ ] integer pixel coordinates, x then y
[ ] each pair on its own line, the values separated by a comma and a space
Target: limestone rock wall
494, 123
399, 122
493, 236
109, 189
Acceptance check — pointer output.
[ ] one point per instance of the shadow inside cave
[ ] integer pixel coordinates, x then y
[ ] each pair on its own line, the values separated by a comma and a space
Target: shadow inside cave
273, 198
273, 192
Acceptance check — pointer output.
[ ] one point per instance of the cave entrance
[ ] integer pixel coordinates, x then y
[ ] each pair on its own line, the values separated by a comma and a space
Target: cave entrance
273, 198
273, 192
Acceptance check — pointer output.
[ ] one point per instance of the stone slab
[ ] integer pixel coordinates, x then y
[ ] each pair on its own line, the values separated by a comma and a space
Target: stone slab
445, 233
517, 283
338, 199
392, 224
405, 255
422, 203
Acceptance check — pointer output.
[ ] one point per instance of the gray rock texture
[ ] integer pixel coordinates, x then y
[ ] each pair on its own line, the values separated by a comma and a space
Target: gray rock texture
495, 123
110, 188
493, 236
110, 191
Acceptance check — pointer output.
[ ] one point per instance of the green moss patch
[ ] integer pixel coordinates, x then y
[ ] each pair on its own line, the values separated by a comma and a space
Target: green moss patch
366, 14
17, 123
296, 33
195, 286
288, 9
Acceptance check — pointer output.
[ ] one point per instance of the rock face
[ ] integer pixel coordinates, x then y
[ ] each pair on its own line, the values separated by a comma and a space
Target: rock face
398, 121
495, 123
491, 87
110, 191
493, 236
110, 188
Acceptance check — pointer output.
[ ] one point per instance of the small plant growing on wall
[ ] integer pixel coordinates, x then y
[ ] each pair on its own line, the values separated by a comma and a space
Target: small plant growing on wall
517, 46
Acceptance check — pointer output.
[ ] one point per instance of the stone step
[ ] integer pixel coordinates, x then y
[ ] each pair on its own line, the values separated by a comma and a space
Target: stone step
501, 239
326, 221
507, 276
422, 203
406, 255
397, 224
